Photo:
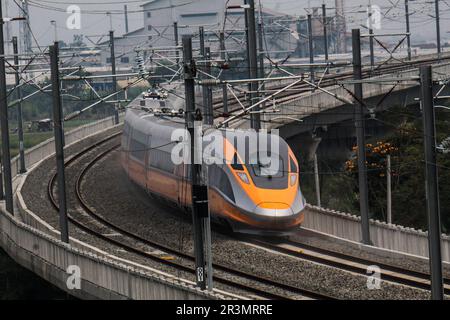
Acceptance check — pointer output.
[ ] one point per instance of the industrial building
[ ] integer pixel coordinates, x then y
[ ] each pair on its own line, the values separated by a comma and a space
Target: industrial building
160, 16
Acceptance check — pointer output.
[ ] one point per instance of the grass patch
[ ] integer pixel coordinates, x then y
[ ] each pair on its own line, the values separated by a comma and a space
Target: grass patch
32, 139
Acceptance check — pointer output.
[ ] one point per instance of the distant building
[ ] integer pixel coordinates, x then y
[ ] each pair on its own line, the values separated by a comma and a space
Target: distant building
85, 57
334, 35
158, 29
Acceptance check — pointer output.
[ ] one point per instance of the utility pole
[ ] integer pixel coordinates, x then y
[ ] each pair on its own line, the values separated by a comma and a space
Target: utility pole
438, 28
25, 32
125, 10
208, 107
201, 36
389, 188
311, 48
408, 30
2, 193
317, 180
209, 120
206, 69
341, 27
6, 157
110, 20
225, 101
176, 40
325, 31
222, 45
224, 86
22, 168
360, 132
55, 30
199, 193
58, 131
252, 61
113, 59
205, 52
261, 73
113, 71
431, 184
8, 29
372, 56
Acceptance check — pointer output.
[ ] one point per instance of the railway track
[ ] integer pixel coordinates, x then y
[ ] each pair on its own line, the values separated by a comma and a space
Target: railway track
328, 80
127, 238
346, 262
340, 261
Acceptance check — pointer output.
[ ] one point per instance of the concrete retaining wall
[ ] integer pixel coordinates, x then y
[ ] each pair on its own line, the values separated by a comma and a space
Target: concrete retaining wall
101, 277
383, 235
36, 246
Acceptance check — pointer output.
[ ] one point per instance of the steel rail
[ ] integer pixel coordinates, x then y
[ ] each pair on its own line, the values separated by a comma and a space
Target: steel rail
179, 266
347, 262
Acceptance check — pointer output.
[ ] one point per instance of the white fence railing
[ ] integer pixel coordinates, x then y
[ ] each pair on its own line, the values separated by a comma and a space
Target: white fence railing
101, 277
383, 235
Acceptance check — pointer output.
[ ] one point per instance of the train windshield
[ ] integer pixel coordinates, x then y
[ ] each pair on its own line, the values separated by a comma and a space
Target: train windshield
268, 173
269, 167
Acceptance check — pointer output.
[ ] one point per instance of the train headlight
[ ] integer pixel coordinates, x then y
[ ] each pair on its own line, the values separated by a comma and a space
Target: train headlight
243, 176
293, 179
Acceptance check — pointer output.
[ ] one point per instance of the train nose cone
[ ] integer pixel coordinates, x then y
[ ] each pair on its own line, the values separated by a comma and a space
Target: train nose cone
273, 210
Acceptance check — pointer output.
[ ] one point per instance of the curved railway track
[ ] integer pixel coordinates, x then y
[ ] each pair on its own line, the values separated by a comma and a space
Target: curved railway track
322, 256
126, 236
346, 262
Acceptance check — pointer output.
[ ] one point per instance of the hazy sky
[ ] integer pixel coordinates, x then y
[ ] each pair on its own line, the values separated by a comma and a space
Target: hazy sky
95, 22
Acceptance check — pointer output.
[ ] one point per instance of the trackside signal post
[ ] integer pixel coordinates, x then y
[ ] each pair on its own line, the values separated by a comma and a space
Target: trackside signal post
360, 132
199, 192
431, 184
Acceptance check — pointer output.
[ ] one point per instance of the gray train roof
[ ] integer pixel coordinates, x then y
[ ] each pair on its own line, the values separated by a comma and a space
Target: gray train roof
144, 124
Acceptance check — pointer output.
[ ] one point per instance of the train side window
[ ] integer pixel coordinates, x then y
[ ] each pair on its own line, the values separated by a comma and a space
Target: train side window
162, 160
126, 128
125, 135
294, 168
137, 150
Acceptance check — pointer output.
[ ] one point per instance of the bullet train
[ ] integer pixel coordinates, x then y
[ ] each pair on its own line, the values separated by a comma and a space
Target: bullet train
240, 195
